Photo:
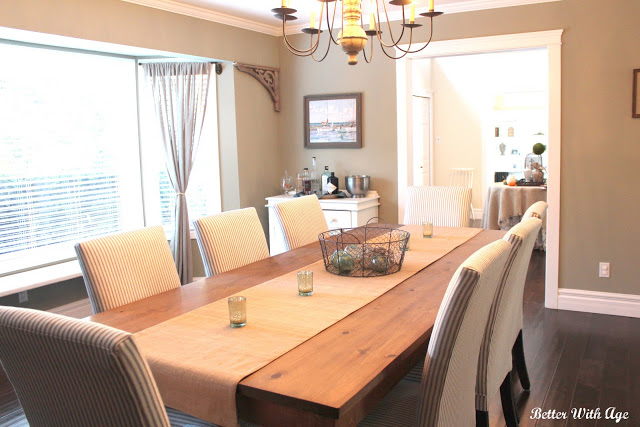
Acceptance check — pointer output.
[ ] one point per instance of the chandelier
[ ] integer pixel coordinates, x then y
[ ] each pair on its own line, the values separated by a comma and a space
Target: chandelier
353, 36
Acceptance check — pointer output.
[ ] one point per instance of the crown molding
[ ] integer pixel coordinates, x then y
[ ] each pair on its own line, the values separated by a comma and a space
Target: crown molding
276, 30
209, 15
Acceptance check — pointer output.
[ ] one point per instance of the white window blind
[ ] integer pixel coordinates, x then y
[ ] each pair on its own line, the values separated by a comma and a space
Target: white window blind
69, 158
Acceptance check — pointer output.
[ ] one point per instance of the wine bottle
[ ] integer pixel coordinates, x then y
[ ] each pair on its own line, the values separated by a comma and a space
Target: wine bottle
306, 181
325, 179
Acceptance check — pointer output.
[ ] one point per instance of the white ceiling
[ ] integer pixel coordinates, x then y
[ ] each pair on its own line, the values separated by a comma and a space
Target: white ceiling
256, 15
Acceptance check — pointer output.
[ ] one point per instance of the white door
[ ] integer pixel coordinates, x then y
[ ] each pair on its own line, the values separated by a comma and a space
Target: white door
422, 147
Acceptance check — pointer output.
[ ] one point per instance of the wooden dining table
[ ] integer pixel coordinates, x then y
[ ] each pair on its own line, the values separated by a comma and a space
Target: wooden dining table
336, 377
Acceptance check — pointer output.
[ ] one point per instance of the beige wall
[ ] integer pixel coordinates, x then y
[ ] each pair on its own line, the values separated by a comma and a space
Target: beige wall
600, 140
377, 157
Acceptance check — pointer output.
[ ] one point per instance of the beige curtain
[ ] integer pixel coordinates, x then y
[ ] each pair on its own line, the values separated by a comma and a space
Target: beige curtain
180, 99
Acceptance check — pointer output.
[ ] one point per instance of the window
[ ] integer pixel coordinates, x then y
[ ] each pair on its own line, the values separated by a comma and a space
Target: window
70, 156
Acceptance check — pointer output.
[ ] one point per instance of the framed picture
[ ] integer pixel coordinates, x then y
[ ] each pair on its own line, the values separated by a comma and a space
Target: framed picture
333, 121
636, 94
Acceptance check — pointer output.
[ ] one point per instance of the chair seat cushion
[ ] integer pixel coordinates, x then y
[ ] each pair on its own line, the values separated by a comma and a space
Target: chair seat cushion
180, 419
398, 408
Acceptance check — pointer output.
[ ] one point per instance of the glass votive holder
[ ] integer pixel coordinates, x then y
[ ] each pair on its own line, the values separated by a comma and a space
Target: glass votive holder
237, 311
427, 229
305, 283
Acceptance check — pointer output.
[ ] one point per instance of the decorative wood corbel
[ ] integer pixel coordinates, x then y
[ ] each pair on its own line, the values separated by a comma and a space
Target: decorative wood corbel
268, 77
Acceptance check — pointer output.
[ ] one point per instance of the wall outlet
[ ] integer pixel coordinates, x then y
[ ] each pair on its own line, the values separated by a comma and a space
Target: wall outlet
438, 140
605, 269
23, 297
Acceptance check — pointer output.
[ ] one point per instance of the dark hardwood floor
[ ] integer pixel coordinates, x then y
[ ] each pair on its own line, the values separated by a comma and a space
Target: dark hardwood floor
575, 360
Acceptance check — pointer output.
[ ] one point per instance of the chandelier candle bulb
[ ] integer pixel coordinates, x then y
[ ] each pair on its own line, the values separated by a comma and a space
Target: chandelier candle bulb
413, 13
313, 20
431, 7
285, 3
372, 22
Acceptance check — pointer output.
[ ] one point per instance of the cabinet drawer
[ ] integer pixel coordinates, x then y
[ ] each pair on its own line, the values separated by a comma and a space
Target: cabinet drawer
337, 219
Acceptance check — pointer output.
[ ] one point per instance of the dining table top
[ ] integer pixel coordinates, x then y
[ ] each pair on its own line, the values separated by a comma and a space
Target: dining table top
337, 376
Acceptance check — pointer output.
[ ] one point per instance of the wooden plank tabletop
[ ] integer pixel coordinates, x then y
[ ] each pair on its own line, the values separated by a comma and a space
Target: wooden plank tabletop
339, 375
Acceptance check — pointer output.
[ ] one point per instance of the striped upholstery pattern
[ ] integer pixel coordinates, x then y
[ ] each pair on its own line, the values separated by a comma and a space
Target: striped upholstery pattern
536, 210
445, 396
448, 380
70, 372
505, 316
126, 267
301, 220
442, 206
230, 240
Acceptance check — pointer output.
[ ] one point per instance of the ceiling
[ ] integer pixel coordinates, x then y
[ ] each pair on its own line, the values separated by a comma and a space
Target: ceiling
256, 15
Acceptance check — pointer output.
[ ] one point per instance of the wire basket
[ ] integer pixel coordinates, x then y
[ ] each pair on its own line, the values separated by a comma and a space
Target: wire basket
368, 251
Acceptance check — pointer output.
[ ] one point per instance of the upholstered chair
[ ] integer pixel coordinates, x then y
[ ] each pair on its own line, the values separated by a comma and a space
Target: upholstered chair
442, 206
301, 220
230, 240
463, 177
445, 395
536, 210
69, 372
502, 341
126, 267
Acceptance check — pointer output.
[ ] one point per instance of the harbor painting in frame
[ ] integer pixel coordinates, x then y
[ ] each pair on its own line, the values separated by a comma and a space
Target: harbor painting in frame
333, 121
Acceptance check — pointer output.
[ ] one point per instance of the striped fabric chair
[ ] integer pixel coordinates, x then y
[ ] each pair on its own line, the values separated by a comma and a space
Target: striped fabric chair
502, 342
445, 396
126, 267
301, 220
442, 206
68, 372
536, 210
230, 240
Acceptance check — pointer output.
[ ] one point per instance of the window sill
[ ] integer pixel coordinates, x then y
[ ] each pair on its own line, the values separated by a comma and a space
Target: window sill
39, 277
43, 276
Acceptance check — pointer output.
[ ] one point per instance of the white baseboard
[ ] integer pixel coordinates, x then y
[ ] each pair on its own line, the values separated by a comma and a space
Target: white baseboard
599, 302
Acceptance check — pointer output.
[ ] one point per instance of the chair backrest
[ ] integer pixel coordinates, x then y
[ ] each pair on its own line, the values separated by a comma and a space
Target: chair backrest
461, 177
69, 372
449, 376
126, 267
301, 220
230, 240
505, 316
536, 210
442, 206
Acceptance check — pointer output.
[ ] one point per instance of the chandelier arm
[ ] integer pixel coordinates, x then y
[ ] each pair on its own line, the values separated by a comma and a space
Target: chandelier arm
292, 49
405, 52
422, 48
328, 47
394, 42
364, 52
333, 21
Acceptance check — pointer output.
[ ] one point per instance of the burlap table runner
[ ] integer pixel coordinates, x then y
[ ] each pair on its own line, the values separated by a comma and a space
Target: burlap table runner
197, 360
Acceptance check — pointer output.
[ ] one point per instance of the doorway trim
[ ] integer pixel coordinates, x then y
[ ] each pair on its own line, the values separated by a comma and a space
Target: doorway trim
552, 40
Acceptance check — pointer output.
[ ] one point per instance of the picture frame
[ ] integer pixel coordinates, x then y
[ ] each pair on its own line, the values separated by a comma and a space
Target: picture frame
333, 121
635, 111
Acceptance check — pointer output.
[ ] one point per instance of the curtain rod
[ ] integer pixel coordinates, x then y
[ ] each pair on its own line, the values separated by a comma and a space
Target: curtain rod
218, 65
